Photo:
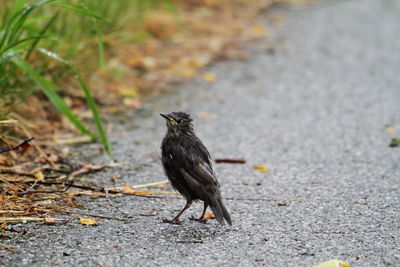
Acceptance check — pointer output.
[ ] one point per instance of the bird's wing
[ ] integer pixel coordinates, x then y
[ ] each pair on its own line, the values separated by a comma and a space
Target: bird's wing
204, 174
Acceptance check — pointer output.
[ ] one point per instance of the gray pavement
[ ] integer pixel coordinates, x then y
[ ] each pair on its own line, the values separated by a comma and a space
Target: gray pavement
313, 109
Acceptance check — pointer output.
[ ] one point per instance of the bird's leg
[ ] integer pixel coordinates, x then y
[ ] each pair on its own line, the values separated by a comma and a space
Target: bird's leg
201, 218
176, 220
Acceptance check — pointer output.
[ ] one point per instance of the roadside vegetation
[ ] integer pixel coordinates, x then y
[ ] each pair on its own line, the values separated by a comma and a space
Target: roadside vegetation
66, 65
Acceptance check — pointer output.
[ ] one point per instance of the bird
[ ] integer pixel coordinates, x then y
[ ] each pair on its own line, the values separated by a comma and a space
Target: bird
187, 164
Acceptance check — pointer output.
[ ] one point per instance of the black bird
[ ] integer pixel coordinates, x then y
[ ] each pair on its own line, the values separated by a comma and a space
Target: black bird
187, 164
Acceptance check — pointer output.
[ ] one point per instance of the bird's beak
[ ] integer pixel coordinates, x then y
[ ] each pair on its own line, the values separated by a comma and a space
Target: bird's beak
165, 116
168, 118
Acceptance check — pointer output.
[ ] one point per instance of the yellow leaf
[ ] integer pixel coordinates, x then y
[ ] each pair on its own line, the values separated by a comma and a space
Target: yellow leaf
209, 77
259, 30
209, 216
187, 73
193, 63
204, 114
88, 221
261, 168
149, 62
128, 91
39, 175
389, 129
332, 263
3, 226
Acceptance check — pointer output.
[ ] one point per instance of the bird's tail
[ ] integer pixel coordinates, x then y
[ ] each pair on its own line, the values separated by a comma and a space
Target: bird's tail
220, 212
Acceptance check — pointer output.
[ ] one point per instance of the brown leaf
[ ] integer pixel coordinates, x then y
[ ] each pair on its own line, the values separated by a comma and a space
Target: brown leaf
5, 161
49, 221
24, 148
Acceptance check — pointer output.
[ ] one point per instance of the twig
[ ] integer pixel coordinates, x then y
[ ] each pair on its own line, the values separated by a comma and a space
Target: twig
8, 247
2, 171
227, 160
262, 199
20, 219
91, 188
150, 184
23, 143
90, 169
114, 206
43, 192
98, 216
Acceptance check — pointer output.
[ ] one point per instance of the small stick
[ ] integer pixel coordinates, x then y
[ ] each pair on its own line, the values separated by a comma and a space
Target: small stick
98, 216
20, 219
140, 185
8, 247
233, 161
25, 142
91, 169
114, 206
262, 199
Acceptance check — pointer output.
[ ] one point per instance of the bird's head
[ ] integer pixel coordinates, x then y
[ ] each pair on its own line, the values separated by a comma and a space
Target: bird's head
178, 122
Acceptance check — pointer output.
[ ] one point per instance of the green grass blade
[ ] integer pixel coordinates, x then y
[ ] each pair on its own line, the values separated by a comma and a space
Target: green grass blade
101, 44
52, 95
89, 99
96, 115
20, 42
81, 10
45, 28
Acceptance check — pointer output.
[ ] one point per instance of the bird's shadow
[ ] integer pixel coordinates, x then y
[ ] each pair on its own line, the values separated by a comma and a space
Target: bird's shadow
191, 232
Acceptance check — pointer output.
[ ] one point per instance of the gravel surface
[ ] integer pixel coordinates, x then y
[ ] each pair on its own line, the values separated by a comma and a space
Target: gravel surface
312, 106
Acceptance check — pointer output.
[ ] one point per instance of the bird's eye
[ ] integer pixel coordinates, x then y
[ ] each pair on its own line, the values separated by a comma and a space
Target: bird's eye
179, 121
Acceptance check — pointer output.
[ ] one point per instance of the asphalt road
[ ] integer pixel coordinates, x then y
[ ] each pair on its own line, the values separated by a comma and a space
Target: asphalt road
313, 108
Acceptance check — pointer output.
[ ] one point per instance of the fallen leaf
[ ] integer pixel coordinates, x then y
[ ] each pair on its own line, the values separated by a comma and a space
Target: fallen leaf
53, 158
209, 216
204, 114
209, 77
24, 148
88, 221
149, 62
276, 20
259, 30
160, 24
194, 63
261, 168
187, 73
132, 102
389, 128
3, 225
49, 221
129, 91
5, 161
332, 263
39, 175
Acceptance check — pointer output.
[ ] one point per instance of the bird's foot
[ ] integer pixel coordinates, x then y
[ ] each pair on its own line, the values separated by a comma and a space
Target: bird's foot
172, 221
201, 220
